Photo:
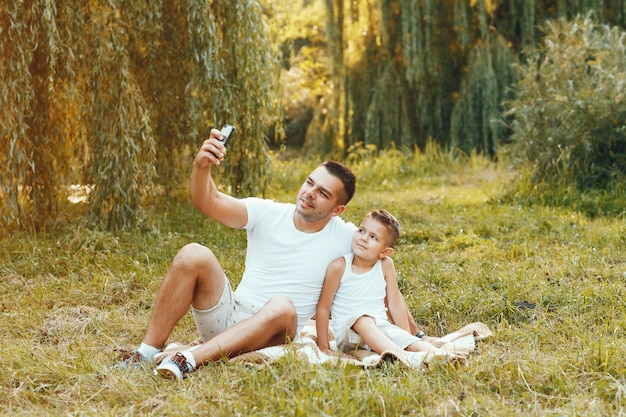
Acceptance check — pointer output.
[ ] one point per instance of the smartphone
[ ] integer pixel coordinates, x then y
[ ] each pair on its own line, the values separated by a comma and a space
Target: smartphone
227, 130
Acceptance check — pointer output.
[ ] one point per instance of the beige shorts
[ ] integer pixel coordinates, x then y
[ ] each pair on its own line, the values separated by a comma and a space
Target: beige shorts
397, 335
228, 311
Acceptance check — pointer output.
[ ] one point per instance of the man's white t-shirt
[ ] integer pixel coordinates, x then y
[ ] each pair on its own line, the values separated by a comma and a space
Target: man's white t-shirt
281, 260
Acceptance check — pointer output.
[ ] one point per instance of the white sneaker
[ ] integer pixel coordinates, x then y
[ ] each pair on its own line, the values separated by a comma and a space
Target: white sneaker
416, 359
174, 367
422, 359
133, 359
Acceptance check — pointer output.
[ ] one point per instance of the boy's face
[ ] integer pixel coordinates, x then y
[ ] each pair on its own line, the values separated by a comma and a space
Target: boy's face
370, 241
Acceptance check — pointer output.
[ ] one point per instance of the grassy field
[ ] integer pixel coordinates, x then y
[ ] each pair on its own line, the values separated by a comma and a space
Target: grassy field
548, 282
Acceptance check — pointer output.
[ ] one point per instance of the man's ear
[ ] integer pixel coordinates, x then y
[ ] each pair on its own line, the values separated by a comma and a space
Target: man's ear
386, 252
338, 210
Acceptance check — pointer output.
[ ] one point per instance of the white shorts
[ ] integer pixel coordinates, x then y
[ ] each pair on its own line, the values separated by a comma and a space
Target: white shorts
397, 335
228, 311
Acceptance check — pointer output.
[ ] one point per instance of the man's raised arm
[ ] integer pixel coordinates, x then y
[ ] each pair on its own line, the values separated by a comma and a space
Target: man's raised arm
205, 196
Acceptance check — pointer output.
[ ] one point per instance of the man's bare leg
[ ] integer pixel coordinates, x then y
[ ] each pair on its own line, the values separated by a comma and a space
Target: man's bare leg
275, 323
194, 277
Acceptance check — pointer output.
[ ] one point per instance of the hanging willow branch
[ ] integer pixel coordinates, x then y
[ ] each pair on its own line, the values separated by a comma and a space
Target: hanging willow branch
121, 138
233, 82
475, 117
33, 151
90, 87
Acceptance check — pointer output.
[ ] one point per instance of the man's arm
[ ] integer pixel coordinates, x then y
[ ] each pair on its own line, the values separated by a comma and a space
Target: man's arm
334, 272
205, 196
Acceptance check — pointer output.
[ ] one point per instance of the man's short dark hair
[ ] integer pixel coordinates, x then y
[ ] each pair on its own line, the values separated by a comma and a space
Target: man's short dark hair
346, 176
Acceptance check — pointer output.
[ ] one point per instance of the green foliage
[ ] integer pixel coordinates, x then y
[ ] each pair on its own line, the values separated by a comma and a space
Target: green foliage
118, 95
570, 110
165, 71
564, 193
378, 169
31, 119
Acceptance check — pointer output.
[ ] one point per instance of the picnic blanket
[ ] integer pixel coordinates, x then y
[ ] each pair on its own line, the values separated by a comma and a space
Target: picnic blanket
458, 344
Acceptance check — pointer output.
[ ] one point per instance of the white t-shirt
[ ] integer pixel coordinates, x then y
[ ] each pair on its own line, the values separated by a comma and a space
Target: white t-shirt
359, 295
281, 260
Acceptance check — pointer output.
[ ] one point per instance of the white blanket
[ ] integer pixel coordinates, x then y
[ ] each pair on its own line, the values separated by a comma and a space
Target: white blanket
456, 346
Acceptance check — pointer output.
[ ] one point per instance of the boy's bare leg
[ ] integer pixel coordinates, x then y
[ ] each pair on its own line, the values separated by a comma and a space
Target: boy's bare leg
375, 339
274, 324
194, 277
422, 346
366, 328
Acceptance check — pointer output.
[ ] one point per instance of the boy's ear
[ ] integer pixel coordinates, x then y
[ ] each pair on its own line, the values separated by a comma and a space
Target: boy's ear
386, 252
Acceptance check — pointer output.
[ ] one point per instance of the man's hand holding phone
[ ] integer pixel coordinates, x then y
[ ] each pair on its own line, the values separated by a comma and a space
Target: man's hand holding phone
226, 132
213, 150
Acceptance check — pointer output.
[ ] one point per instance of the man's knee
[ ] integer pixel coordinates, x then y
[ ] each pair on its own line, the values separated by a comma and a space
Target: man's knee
282, 306
194, 250
280, 310
192, 256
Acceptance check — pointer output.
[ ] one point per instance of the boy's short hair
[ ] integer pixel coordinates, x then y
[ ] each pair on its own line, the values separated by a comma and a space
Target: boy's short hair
389, 221
346, 176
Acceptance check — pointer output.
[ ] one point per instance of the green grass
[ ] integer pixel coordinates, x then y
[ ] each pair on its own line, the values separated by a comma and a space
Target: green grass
547, 280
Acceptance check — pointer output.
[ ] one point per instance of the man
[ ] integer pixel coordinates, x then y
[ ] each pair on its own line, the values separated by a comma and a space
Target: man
289, 248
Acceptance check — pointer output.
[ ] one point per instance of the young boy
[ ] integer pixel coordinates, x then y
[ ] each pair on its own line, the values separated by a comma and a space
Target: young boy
354, 291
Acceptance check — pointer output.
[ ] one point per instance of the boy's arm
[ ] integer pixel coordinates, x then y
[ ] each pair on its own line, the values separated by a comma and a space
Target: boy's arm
332, 280
395, 302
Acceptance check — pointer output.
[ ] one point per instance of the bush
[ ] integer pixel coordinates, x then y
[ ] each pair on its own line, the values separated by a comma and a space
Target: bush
569, 112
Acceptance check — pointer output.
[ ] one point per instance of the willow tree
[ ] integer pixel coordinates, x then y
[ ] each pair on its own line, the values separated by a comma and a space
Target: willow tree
415, 70
403, 71
121, 140
327, 131
110, 93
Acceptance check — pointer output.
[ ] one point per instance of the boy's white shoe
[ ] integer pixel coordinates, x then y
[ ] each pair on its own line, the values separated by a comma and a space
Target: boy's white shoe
416, 359
422, 359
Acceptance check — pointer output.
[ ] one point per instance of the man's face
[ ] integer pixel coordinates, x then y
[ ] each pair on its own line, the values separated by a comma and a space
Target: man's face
320, 196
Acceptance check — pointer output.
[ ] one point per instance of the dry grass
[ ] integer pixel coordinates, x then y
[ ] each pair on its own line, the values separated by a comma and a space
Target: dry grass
549, 282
